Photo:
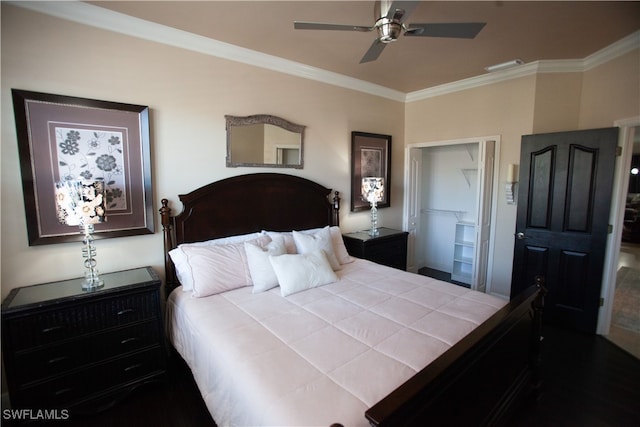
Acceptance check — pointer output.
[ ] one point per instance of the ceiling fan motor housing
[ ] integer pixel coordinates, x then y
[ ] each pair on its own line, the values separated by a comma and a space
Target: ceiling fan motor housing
388, 30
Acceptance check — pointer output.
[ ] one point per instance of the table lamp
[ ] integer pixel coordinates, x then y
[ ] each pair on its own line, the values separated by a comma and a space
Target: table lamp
373, 192
81, 203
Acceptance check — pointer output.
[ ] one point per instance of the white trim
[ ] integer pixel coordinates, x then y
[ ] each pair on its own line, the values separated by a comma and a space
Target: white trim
109, 20
619, 48
105, 19
615, 50
495, 192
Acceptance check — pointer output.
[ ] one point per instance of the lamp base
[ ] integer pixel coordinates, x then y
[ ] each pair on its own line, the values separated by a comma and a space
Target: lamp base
373, 231
92, 280
88, 285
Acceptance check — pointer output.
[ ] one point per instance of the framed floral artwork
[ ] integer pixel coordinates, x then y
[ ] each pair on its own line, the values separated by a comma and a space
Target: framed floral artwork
370, 157
65, 138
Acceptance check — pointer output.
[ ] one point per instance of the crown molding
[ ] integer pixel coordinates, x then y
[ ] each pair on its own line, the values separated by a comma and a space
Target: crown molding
610, 52
105, 19
619, 48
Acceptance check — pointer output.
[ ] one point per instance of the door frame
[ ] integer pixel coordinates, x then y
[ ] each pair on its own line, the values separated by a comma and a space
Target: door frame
412, 194
616, 219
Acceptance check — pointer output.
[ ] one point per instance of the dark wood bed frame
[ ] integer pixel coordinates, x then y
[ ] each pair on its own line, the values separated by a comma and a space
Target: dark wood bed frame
477, 382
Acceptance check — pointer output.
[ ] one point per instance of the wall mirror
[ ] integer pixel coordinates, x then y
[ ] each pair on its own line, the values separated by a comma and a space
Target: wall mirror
264, 141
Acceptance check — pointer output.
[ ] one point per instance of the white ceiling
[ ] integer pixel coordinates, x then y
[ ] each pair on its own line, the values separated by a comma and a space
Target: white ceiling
531, 31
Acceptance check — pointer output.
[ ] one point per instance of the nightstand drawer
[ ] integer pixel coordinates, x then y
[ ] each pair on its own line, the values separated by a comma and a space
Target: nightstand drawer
67, 348
85, 384
59, 358
391, 253
388, 247
51, 326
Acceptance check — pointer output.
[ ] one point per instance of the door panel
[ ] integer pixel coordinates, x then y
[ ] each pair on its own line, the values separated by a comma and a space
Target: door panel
414, 260
539, 214
563, 214
582, 173
486, 159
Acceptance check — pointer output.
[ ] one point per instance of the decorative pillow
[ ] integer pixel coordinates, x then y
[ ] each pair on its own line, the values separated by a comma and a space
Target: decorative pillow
320, 240
180, 261
336, 236
287, 237
297, 272
262, 274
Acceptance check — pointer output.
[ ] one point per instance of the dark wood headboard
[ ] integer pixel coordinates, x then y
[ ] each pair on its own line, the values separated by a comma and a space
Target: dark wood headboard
244, 204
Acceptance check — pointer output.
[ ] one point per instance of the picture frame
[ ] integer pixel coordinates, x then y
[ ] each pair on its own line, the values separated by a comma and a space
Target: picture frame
65, 137
370, 156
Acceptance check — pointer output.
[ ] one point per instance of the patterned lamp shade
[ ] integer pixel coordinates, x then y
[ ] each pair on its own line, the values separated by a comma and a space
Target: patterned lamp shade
372, 189
80, 203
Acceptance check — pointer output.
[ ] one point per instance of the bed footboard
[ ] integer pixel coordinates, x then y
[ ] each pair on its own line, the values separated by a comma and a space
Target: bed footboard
478, 381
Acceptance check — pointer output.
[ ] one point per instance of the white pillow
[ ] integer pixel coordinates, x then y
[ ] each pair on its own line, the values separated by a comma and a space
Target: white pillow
262, 274
297, 272
287, 237
180, 261
216, 268
339, 247
320, 240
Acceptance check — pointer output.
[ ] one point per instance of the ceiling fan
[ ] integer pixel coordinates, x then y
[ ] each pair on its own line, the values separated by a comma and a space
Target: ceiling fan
390, 24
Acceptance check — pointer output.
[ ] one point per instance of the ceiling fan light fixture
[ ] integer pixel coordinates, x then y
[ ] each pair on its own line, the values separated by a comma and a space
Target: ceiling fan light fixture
504, 65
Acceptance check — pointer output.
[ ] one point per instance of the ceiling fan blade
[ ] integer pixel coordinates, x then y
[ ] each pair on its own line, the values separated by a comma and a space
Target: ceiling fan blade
374, 51
400, 10
301, 25
460, 30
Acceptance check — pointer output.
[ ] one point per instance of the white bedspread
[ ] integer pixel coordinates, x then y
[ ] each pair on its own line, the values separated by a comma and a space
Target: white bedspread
320, 356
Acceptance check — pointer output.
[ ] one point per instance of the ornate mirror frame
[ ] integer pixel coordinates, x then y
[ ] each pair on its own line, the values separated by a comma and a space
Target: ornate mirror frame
239, 121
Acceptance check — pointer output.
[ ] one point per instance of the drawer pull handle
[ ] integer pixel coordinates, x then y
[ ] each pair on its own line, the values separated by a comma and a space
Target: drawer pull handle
132, 367
52, 329
57, 360
129, 340
125, 311
62, 391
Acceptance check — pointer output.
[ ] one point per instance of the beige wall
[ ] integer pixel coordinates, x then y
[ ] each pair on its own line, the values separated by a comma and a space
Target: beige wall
535, 104
504, 109
611, 92
188, 95
557, 103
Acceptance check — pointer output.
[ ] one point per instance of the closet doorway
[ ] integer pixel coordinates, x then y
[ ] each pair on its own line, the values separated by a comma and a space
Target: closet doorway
450, 204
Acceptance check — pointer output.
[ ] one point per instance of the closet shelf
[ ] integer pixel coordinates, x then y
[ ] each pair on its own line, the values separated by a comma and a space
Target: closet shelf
458, 214
463, 252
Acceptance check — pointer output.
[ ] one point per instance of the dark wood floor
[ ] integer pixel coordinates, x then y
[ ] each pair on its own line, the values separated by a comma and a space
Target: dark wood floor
440, 275
587, 382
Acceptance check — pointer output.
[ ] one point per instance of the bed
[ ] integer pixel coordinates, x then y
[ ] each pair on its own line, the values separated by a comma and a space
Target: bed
335, 340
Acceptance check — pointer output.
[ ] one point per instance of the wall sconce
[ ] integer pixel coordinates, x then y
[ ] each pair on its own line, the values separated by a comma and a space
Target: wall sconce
510, 187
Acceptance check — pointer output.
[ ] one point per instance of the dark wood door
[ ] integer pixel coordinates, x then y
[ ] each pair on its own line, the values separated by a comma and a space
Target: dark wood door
562, 221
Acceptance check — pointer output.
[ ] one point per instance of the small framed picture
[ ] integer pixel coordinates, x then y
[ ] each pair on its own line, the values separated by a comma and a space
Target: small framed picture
370, 157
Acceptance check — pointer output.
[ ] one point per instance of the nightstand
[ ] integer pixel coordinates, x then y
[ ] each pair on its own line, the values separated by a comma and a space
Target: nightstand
67, 348
388, 247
